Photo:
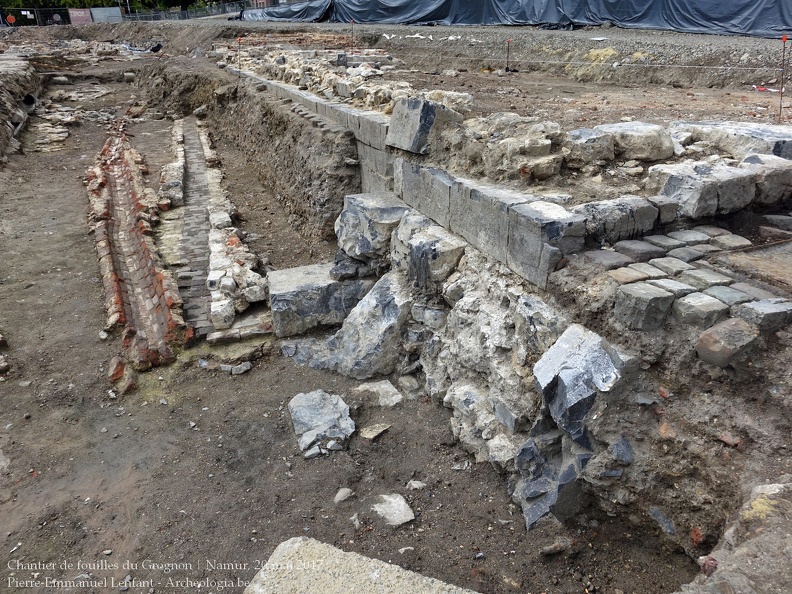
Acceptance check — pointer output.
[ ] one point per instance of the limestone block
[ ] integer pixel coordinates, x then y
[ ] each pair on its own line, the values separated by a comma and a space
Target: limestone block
650, 271
427, 190
627, 275
726, 341
703, 189
639, 140
623, 218
580, 349
689, 237
540, 234
382, 393
642, 306
687, 254
324, 568
366, 223
780, 221
608, 259
480, 214
410, 124
412, 222
222, 313
731, 242
369, 341
678, 289
663, 241
768, 314
704, 279
773, 177
640, 251
667, 206
373, 129
307, 297
728, 295
318, 417
699, 310
587, 146
434, 255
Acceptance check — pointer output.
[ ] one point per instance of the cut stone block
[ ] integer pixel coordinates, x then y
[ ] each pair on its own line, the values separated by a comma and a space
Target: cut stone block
774, 178
686, 254
222, 313
608, 259
671, 265
623, 218
307, 297
366, 223
699, 310
428, 190
649, 270
587, 146
781, 221
703, 189
704, 279
324, 568
689, 237
540, 234
768, 314
672, 286
412, 121
753, 291
639, 140
664, 241
642, 306
728, 295
640, 251
731, 242
627, 275
711, 230
707, 249
434, 254
480, 214
667, 206
726, 341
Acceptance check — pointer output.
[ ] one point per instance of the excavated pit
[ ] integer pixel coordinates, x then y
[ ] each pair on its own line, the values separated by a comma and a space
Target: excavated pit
635, 479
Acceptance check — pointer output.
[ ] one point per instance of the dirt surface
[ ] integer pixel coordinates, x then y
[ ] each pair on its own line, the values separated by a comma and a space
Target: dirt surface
113, 487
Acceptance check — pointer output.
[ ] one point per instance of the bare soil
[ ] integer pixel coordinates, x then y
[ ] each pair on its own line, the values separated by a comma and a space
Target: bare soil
127, 486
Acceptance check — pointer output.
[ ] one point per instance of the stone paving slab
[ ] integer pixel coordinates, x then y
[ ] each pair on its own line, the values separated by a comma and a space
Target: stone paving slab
672, 286
608, 259
699, 309
671, 265
640, 251
686, 254
704, 279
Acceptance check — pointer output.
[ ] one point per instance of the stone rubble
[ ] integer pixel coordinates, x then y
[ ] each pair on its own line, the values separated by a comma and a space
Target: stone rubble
319, 418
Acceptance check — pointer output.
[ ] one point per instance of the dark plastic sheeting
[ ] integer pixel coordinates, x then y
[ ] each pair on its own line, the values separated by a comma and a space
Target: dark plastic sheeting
764, 18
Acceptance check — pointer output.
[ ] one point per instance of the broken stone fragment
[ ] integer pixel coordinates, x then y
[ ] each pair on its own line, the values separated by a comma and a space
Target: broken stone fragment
394, 509
588, 146
318, 417
366, 223
623, 218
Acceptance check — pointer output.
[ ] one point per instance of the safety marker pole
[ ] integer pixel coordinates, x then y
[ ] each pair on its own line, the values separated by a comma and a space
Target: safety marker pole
783, 73
239, 58
508, 48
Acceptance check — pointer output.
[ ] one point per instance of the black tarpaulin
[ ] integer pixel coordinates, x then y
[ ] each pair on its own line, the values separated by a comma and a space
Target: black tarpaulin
764, 18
